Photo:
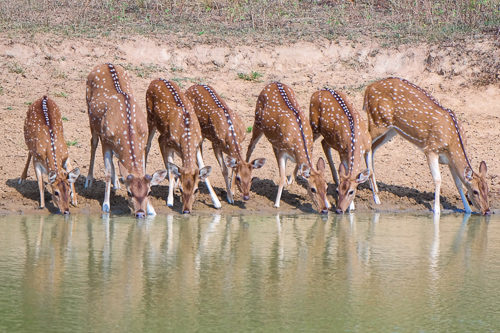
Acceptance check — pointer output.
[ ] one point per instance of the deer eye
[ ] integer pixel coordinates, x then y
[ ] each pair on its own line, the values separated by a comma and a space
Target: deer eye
351, 192
475, 192
56, 193
129, 193
313, 190
238, 179
196, 191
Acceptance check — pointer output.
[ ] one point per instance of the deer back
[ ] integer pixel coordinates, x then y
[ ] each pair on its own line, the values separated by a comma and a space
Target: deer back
43, 133
173, 115
115, 116
342, 127
218, 122
279, 116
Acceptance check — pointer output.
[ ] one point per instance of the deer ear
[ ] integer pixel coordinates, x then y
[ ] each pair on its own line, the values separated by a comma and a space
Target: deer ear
342, 170
363, 176
321, 164
305, 170
73, 175
231, 162
483, 169
468, 173
171, 167
258, 163
158, 177
204, 172
52, 177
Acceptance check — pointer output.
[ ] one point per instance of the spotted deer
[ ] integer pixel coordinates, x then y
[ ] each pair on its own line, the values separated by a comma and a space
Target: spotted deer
173, 115
279, 117
224, 128
43, 134
343, 129
396, 106
121, 125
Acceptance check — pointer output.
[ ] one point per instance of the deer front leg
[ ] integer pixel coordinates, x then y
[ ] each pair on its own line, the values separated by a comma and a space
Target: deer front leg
108, 165
433, 160
74, 198
151, 134
41, 187
458, 184
25, 171
256, 135
168, 157
225, 173
93, 146
373, 182
328, 153
281, 159
213, 196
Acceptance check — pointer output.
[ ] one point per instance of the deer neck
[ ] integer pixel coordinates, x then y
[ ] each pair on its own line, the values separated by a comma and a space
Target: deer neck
232, 141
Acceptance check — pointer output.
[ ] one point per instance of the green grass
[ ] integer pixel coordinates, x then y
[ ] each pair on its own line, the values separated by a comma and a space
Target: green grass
71, 143
1, 90
64, 118
10, 108
16, 68
252, 76
144, 70
249, 129
61, 94
28, 103
281, 21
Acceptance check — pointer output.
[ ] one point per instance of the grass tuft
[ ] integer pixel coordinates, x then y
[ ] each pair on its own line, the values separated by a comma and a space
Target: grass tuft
253, 76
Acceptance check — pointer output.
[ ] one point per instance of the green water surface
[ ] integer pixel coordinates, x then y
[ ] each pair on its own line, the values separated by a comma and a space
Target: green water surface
303, 273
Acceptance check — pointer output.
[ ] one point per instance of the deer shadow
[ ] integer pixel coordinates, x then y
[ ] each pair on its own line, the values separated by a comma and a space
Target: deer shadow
29, 190
422, 198
267, 188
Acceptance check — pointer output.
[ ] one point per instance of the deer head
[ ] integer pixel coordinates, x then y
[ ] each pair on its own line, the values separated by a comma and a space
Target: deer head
138, 189
316, 184
243, 173
189, 183
348, 184
477, 188
60, 185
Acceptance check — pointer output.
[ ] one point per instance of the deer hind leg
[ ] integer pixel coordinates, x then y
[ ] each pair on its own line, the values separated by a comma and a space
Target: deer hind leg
41, 187
94, 141
433, 160
458, 184
225, 174
373, 182
328, 153
25, 171
108, 166
256, 135
114, 178
213, 196
281, 159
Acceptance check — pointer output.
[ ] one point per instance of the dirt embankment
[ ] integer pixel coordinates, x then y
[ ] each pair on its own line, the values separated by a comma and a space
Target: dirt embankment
463, 77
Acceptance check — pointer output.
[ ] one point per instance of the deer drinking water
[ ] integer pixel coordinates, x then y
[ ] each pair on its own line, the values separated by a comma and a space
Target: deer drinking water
279, 118
43, 133
343, 129
225, 130
173, 115
121, 125
396, 106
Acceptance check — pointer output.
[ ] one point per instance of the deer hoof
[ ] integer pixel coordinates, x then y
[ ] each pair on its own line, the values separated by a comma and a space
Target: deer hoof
105, 208
377, 200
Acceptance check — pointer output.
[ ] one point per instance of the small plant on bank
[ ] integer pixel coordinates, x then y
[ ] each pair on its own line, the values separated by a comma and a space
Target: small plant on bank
253, 76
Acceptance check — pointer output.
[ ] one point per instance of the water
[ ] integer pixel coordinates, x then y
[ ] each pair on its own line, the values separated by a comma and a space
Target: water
363, 273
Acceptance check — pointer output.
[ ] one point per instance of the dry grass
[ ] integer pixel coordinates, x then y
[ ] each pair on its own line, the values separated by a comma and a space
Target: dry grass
396, 21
